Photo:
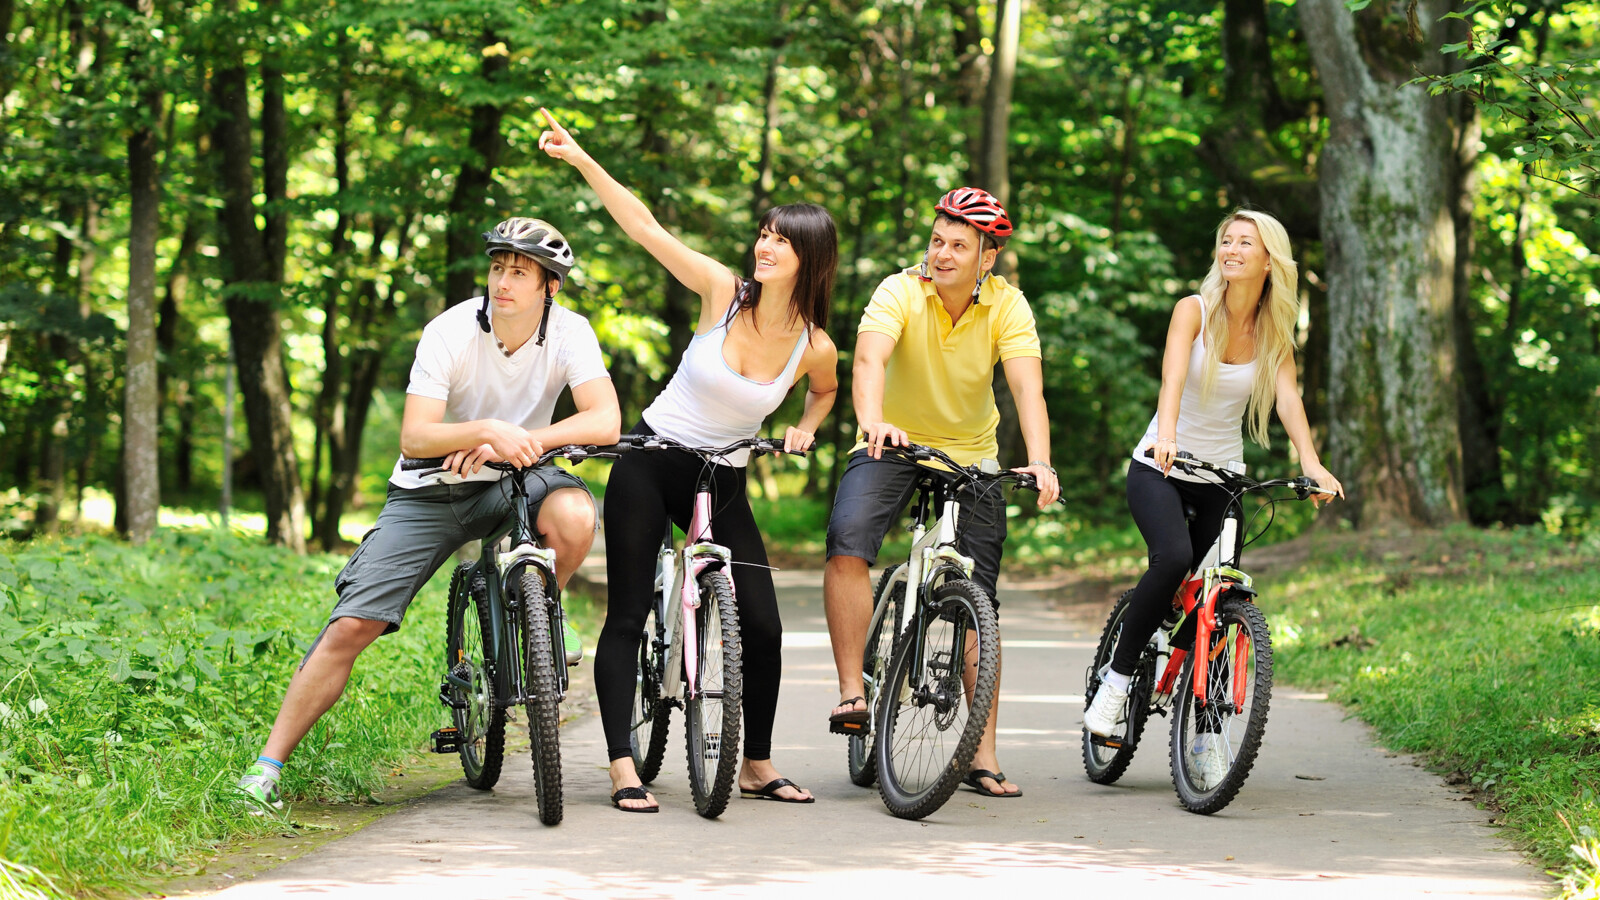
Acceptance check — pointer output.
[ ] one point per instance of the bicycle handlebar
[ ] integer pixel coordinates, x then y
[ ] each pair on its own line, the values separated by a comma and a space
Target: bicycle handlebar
756, 445
1303, 486
568, 451
918, 453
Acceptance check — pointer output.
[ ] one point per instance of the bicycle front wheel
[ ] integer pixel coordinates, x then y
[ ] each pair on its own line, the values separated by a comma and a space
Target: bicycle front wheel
711, 713
542, 701
647, 730
469, 689
1105, 760
936, 700
1215, 740
874, 668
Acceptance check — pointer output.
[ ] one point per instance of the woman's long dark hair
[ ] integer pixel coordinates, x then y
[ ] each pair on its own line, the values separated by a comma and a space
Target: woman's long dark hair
810, 231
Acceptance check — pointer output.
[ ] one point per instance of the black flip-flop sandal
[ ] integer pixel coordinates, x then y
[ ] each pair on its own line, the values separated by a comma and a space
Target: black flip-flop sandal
975, 778
769, 791
633, 793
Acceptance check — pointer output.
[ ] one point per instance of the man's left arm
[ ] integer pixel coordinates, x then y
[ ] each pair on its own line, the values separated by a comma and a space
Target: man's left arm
1025, 377
597, 421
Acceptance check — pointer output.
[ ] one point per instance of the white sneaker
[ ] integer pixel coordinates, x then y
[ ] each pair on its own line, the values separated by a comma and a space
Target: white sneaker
1107, 711
1208, 760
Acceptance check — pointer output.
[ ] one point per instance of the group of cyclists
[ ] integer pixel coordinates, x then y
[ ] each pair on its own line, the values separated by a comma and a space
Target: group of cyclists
487, 374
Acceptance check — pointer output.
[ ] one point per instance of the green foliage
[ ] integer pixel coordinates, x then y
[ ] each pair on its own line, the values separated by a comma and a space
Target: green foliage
1545, 103
135, 685
1477, 649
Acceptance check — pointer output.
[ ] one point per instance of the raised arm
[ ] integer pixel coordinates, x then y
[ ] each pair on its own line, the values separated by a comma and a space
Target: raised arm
1185, 327
1292, 413
698, 272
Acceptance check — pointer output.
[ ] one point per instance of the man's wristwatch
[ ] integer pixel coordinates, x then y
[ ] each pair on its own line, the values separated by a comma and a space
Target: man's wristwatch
1042, 463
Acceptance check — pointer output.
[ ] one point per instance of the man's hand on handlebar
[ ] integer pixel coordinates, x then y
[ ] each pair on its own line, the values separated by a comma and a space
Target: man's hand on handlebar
880, 435
1049, 485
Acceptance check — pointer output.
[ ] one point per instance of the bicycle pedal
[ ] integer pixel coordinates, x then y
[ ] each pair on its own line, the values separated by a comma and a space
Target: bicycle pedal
1110, 743
447, 740
847, 728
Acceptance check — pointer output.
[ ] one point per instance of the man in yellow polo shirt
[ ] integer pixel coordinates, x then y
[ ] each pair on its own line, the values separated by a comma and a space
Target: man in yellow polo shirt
924, 363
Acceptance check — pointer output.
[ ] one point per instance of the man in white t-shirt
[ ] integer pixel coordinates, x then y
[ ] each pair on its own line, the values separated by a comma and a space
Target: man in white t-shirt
483, 389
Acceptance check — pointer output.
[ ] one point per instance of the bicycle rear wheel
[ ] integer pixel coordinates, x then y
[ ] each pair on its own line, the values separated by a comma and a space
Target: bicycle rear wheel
1226, 728
543, 702
1104, 762
711, 713
931, 713
874, 667
647, 732
469, 688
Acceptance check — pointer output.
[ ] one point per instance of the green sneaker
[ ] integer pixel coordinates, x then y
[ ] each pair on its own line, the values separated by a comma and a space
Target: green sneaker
261, 789
569, 638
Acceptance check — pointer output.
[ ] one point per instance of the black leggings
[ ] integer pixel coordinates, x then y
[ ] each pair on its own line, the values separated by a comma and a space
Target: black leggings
645, 490
1157, 506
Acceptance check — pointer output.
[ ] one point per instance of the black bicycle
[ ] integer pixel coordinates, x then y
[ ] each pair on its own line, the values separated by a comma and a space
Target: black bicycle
504, 643
1223, 692
930, 689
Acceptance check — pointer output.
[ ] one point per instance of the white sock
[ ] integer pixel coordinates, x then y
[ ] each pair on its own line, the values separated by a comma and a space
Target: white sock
1116, 679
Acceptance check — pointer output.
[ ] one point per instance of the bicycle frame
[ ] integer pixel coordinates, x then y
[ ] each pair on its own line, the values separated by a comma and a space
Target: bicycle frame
1199, 596
679, 572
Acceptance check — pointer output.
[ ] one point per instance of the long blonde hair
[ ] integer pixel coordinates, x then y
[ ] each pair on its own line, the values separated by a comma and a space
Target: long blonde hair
1276, 317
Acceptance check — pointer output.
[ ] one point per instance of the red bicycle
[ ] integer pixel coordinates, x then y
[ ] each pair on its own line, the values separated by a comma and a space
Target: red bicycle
1220, 688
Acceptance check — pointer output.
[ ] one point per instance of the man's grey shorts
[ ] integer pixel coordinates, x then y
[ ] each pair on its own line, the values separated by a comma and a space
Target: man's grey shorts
874, 492
419, 529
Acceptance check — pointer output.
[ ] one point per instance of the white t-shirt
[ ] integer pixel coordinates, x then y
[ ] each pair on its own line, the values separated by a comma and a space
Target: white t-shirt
459, 363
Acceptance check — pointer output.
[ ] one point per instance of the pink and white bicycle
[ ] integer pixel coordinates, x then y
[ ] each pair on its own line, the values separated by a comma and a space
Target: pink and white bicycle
690, 657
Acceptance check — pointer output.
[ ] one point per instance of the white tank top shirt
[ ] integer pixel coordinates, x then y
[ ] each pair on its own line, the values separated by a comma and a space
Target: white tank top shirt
1211, 430
708, 404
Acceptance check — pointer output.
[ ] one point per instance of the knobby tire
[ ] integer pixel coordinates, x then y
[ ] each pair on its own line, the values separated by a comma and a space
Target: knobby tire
930, 724
482, 724
647, 734
543, 702
874, 670
712, 715
1242, 728
1104, 765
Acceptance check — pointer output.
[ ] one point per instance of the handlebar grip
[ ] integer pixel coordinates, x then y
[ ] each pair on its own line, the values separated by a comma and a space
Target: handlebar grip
428, 462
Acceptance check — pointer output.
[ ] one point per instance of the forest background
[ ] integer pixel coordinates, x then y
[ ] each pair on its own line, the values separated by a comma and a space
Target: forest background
223, 224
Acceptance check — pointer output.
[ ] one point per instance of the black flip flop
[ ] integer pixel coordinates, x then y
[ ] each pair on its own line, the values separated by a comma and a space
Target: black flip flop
769, 791
975, 778
633, 793
851, 716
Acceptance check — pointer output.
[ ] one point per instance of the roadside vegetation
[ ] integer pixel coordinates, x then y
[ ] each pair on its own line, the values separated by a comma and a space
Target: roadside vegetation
1480, 651
136, 684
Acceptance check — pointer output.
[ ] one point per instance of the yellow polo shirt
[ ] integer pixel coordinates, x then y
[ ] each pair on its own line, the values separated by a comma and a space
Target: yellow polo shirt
938, 384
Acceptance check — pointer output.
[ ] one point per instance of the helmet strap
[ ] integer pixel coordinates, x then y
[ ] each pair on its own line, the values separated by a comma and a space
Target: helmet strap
483, 311
982, 275
549, 301
923, 273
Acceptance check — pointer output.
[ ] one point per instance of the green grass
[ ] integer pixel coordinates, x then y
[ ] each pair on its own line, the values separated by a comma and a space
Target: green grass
1479, 650
136, 684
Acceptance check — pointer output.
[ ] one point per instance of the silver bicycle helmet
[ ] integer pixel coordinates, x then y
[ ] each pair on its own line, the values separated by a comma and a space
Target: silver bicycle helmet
535, 239
538, 240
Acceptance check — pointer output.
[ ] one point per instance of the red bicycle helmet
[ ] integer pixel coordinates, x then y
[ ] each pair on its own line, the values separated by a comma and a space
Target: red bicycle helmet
977, 208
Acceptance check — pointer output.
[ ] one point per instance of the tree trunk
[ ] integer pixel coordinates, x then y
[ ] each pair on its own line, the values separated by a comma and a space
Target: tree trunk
252, 315
174, 392
1388, 192
329, 418
141, 408
464, 248
766, 180
997, 180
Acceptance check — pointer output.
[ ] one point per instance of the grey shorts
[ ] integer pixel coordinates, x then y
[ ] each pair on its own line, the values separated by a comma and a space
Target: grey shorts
874, 492
416, 533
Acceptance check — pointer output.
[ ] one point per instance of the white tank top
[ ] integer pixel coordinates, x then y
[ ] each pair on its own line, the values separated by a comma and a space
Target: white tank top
1214, 430
708, 404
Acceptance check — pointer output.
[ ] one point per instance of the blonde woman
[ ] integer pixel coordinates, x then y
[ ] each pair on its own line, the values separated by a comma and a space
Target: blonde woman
1229, 360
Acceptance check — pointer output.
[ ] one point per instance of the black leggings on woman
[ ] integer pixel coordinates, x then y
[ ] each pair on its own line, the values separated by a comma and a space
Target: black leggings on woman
1157, 506
645, 491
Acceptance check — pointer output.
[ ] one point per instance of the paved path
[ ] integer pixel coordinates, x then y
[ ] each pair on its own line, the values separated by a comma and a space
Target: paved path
1325, 813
